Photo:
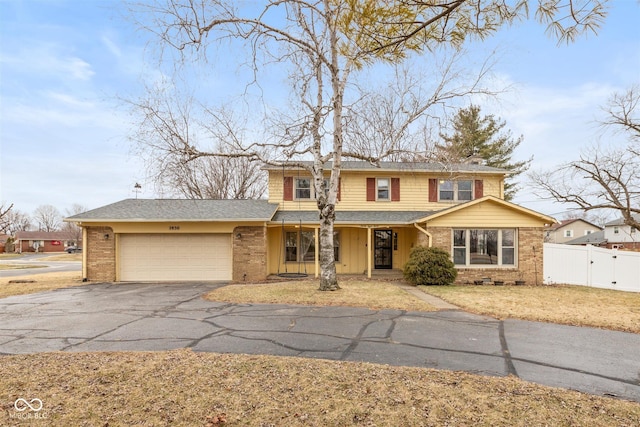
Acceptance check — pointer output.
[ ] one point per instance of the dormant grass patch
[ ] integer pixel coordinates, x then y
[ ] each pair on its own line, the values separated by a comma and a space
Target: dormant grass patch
38, 283
182, 388
568, 305
354, 293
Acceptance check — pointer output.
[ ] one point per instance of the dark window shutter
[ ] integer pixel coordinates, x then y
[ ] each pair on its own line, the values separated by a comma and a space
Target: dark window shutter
433, 190
339, 185
479, 188
371, 189
395, 189
288, 188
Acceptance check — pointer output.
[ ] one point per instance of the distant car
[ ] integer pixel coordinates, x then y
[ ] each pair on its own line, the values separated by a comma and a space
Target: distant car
73, 249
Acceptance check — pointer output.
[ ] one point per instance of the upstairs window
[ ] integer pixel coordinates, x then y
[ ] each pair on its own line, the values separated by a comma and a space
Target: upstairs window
568, 233
461, 191
382, 185
383, 189
303, 188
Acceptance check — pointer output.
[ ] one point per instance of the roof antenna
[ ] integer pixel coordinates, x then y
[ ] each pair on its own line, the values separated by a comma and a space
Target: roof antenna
136, 189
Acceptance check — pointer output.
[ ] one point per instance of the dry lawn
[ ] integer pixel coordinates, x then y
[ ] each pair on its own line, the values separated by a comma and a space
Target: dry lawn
42, 282
19, 266
182, 388
354, 293
569, 305
62, 257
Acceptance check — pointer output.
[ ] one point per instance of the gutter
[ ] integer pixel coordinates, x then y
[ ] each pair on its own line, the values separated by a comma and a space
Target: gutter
429, 236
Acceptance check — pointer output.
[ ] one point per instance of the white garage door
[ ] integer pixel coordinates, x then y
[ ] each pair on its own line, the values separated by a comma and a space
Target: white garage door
168, 257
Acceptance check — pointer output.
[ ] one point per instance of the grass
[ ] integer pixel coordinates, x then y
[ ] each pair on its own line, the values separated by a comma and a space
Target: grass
354, 293
42, 282
38, 262
62, 257
183, 388
568, 305
20, 266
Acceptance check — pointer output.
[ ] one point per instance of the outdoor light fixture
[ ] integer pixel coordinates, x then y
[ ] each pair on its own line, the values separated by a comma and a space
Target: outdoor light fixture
106, 237
238, 236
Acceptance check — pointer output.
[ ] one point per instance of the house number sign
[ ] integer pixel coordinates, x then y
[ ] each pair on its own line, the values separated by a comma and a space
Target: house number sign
174, 227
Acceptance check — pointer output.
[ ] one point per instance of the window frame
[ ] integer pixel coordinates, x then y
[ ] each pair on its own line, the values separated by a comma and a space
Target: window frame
455, 190
297, 188
308, 255
380, 188
311, 189
506, 247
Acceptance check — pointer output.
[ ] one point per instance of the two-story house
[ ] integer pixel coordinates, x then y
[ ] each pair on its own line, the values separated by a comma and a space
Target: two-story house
569, 229
618, 235
381, 213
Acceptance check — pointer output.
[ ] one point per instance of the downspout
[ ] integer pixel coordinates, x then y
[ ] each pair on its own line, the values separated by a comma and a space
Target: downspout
429, 236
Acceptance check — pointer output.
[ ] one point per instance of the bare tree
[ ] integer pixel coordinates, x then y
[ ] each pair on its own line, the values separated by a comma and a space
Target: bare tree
394, 122
323, 44
17, 220
5, 212
73, 231
603, 178
47, 217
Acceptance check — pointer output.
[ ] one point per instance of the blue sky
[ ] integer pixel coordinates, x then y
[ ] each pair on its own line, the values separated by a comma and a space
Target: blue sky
64, 64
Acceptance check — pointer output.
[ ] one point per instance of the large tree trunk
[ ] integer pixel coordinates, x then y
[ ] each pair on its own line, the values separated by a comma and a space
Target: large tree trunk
328, 276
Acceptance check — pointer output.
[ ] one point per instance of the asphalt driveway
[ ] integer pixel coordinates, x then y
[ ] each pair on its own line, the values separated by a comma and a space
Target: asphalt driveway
115, 317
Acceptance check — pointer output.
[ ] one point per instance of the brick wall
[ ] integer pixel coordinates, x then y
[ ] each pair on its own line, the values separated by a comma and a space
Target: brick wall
249, 254
101, 254
530, 244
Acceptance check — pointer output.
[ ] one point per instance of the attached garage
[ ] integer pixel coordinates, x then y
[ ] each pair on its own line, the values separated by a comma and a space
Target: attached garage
168, 240
179, 257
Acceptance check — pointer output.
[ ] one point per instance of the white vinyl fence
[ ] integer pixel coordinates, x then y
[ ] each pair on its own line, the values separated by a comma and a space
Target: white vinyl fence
591, 266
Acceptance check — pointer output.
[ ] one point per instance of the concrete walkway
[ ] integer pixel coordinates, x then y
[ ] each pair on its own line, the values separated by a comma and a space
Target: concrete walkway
438, 303
114, 317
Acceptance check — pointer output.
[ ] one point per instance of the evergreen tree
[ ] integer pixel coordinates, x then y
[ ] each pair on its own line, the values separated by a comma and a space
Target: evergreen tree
484, 137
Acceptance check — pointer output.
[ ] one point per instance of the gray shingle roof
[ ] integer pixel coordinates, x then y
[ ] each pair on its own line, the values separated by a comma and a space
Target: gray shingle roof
594, 238
353, 217
620, 221
405, 167
155, 210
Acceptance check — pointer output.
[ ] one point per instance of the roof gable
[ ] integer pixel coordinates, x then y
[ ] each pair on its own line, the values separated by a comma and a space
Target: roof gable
462, 211
567, 222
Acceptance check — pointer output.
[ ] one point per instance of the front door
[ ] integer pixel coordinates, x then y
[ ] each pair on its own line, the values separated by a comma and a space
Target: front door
382, 244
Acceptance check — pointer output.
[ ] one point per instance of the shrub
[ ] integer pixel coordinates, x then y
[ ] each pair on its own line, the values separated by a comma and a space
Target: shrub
429, 266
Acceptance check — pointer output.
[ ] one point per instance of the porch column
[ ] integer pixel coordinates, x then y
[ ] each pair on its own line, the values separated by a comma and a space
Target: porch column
369, 250
317, 254
85, 245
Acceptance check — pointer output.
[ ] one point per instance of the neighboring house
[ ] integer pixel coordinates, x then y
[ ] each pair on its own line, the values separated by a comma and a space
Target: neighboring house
569, 229
42, 241
381, 214
621, 236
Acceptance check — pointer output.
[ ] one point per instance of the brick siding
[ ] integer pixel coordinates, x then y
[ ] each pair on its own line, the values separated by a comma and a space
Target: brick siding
101, 254
249, 254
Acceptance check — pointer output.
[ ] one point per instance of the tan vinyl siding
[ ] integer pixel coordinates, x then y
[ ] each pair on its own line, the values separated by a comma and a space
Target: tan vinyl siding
486, 215
414, 191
